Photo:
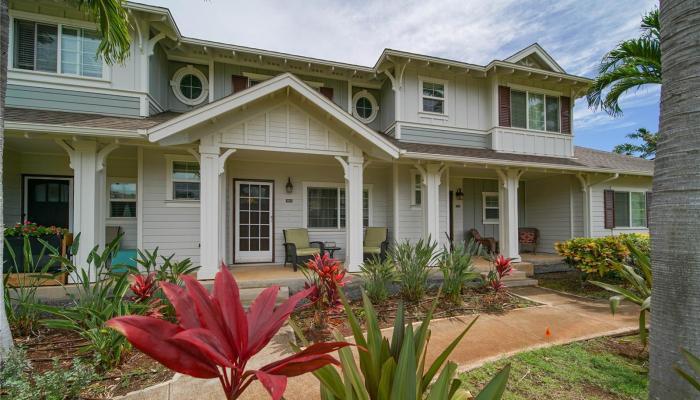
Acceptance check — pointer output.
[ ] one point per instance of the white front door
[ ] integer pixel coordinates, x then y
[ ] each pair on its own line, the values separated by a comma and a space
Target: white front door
253, 221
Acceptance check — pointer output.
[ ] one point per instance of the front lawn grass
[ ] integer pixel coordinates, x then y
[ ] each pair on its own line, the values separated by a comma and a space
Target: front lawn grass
603, 369
571, 282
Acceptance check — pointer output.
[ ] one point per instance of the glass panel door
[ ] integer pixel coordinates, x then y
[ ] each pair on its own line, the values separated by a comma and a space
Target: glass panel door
253, 221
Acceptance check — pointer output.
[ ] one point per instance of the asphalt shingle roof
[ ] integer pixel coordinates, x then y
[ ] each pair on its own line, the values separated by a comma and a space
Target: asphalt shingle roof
84, 120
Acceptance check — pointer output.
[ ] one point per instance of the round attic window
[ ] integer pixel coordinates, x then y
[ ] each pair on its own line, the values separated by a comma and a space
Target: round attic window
190, 86
365, 106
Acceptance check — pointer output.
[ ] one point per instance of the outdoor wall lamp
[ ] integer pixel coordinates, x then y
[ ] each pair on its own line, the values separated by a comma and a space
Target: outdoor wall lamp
289, 186
460, 194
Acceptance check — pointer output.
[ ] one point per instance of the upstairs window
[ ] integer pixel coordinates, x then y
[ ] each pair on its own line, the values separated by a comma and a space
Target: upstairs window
534, 111
36, 48
433, 95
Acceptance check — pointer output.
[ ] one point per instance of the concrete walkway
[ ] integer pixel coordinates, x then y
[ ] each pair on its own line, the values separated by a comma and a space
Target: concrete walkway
569, 319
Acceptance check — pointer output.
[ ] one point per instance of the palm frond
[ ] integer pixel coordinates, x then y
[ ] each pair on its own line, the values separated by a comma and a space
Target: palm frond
633, 63
113, 25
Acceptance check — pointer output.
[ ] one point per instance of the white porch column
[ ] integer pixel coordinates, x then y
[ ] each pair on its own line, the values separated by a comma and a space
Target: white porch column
209, 199
509, 180
396, 205
88, 195
353, 168
432, 178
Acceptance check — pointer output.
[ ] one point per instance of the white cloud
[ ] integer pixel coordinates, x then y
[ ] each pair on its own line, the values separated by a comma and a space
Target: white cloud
576, 33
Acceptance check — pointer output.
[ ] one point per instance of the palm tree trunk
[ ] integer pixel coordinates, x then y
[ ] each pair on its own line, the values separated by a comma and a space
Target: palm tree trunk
5, 334
675, 224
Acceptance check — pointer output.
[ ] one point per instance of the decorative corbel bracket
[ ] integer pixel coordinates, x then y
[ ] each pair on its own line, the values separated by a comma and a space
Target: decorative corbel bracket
70, 150
223, 158
194, 152
102, 155
343, 164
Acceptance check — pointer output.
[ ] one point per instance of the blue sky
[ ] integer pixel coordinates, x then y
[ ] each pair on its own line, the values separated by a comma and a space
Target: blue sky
576, 33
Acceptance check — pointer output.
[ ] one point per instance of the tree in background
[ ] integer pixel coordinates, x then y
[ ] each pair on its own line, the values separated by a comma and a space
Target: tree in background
633, 63
113, 25
675, 208
645, 149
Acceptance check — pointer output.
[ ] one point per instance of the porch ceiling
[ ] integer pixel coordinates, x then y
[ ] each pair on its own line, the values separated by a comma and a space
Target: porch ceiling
213, 117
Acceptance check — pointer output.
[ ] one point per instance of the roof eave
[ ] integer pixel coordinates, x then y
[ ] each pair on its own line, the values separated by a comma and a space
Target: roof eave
513, 163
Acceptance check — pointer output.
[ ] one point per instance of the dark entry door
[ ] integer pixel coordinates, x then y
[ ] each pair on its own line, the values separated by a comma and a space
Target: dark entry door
48, 201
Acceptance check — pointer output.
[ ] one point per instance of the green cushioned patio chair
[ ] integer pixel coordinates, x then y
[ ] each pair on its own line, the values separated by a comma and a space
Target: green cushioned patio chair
376, 243
297, 247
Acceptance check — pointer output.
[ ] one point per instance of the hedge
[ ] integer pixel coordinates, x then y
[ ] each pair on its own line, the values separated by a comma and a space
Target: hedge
600, 255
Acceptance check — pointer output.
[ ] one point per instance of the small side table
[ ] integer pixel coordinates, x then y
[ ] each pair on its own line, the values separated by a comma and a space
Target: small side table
331, 250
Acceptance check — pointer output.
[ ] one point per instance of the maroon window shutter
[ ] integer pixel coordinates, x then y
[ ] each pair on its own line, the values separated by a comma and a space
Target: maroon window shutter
327, 91
238, 83
648, 208
503, 106
565, 112
609, 208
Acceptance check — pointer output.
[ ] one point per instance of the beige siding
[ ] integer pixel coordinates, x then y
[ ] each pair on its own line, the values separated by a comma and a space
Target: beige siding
171, 226
548, 208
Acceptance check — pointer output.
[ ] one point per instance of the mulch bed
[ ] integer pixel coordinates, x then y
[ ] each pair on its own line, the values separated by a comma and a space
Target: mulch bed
137, 370
474, 301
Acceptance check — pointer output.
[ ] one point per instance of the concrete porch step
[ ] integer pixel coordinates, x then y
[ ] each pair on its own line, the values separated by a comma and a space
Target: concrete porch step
249, 294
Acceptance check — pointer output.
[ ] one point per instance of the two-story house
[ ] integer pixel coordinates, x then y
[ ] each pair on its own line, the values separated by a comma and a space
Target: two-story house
210, 150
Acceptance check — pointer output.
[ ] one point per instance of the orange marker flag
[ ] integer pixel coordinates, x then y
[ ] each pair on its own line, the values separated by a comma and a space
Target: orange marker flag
547, 333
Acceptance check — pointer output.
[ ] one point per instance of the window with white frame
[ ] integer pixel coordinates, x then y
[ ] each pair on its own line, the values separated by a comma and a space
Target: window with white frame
630, 209
36, 48
183, 178
491, 207
433, 95
365, 106
325, 206
534, 111
122, 198
416, 188
190, 85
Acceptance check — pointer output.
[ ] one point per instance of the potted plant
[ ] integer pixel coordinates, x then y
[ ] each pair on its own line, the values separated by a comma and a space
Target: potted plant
36, 256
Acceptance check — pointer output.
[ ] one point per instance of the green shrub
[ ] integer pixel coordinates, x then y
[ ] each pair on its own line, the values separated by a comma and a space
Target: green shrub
413, 265
377, 275
58, 383
93, 304
601, 255
457, 269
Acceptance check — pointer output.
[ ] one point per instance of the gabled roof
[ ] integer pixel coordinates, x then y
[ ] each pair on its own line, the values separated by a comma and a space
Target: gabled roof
535, 56
281, 82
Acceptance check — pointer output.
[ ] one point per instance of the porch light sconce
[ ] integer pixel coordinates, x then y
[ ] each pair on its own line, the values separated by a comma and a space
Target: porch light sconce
289, 186
460, 194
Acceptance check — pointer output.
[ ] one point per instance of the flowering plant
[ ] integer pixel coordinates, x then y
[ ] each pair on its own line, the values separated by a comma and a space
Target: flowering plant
32, 229
502, 268
215, 337
325, 275
144, 288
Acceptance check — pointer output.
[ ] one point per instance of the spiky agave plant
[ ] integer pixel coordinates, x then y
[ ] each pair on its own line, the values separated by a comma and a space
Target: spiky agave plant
396, 368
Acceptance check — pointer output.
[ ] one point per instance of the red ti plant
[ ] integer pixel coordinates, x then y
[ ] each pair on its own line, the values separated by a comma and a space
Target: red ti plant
502, 267
144, 288
325, 276
215, 337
